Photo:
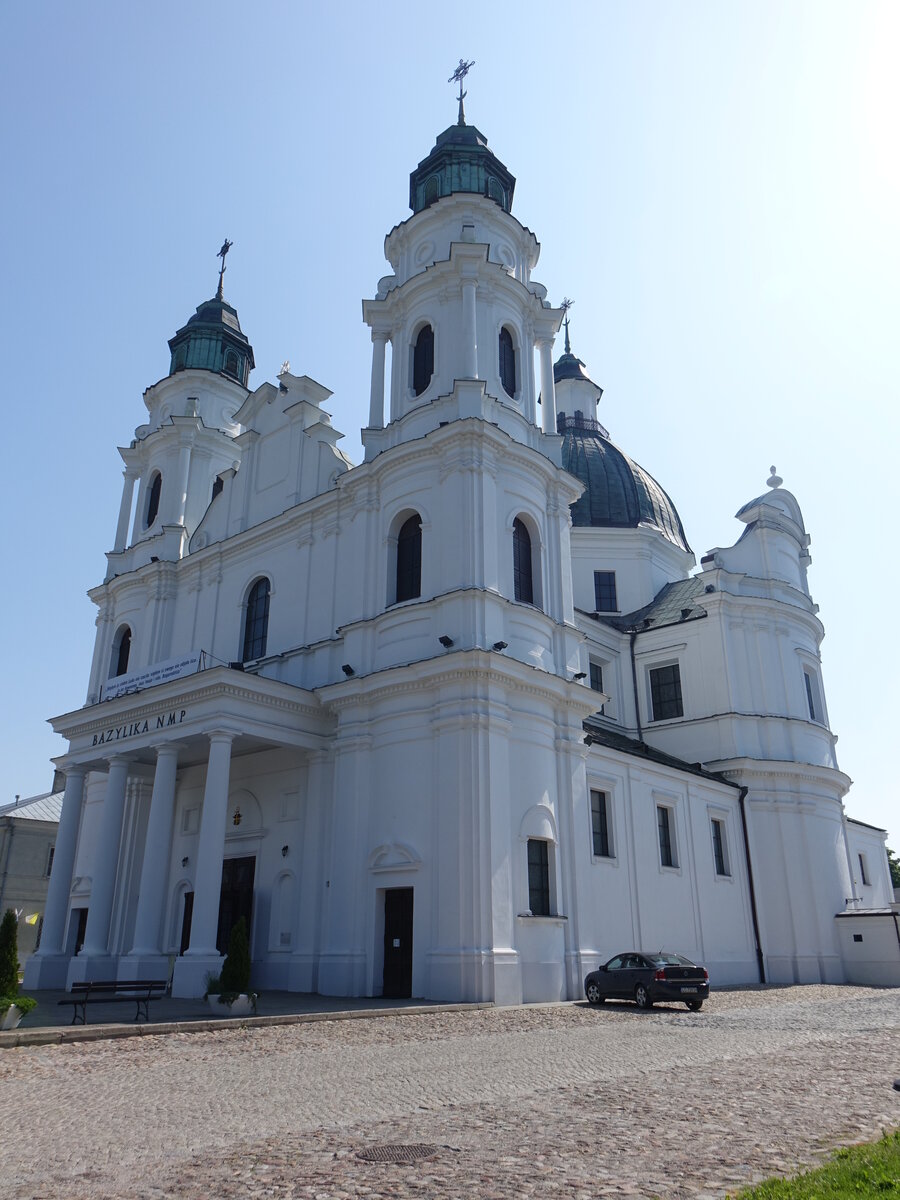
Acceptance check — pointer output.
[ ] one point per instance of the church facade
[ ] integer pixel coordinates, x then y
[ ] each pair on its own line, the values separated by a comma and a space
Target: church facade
459, 721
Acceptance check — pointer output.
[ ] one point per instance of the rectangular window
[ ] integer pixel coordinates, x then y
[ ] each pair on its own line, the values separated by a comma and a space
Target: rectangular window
863, 873
720, 847
50, 854
665, 693
538, 877
666, 838
812, 695
600, 824
605, 591
596, 676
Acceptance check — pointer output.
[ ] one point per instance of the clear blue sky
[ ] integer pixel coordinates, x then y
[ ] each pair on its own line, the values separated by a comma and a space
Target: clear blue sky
717, 186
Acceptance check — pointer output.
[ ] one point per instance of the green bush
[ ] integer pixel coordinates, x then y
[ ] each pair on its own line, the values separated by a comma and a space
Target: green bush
236, 968
9, 955
23, 1003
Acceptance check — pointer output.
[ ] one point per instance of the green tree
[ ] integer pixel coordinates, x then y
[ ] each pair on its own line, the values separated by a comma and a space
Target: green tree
894, 864
9, 956
236, 968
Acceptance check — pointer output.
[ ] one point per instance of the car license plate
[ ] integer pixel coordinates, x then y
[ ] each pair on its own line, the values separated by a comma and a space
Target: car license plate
687, 989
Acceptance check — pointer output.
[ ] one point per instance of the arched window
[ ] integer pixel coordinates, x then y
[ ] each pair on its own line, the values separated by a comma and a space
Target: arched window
423, 360
495, 191
120, 653
523, 587
180, 358
507, 362
431, 191
231, 363
153, 499
256, 621
409, 559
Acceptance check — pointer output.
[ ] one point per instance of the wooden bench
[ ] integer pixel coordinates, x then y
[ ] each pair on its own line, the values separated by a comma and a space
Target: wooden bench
114, 991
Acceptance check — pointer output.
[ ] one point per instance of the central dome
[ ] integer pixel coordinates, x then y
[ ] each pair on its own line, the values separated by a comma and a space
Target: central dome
618, 493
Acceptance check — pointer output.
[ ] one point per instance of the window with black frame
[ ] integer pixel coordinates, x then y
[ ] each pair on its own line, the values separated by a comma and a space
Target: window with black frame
602, 842
666, 839
423, 360
605, 599
538, 877
409, 559
665, 692
523, 583
256, 621
507, 362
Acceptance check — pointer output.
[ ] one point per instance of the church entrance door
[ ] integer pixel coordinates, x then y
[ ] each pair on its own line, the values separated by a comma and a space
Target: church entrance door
398, 941
236, 898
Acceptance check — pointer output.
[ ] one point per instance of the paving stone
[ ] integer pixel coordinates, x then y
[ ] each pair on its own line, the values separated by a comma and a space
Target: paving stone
543, 1101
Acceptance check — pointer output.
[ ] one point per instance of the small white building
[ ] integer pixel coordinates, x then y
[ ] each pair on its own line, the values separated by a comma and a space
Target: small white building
458, 721
27, 844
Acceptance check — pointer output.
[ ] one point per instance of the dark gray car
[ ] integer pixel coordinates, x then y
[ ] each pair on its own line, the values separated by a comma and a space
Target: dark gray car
644, 977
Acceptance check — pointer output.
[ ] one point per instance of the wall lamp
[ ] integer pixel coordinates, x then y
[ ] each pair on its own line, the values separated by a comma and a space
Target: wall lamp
284, 851
498, 646
445, 641
348, 670
185, 861
579, 675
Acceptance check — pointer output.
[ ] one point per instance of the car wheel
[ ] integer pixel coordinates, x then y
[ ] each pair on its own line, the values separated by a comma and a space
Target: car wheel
642, 997
694, 1005
593, 993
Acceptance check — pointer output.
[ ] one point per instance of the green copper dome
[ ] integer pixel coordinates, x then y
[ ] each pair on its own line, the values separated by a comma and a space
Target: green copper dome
460, 162
618, 493
212, 340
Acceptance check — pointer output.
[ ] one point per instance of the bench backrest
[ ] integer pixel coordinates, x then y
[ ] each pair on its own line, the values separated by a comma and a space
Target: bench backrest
112, 986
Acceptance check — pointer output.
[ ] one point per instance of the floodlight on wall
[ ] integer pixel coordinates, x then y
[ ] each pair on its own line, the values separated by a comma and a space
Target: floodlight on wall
445, 641
185, 861
284, 851
498, 646
579, 675
348, 670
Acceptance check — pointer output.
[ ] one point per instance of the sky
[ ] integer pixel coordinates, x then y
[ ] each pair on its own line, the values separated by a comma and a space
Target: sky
716, 185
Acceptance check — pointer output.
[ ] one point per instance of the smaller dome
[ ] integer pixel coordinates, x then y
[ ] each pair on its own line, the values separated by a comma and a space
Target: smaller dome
212, 340
460, 162
567, 366
618, 493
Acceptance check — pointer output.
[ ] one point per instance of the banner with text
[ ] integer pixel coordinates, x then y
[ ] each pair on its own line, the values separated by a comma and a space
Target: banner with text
162, 672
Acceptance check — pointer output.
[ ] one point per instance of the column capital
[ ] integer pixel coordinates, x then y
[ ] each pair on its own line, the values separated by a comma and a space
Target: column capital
221, 735
166, 748
381, 335
115, 759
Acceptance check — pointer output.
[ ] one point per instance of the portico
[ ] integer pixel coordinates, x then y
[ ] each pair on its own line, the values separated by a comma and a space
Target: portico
197, 724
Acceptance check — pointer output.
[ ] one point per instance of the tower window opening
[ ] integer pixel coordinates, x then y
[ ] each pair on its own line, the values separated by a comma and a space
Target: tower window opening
431, 191
507, 362
121, 652
256, 620
423, 360
231, 363
523, 582
153, 499
409, 559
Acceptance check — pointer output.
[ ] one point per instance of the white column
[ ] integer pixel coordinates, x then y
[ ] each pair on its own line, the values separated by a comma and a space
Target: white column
470, 330
124, 511
184, 468
208, 881
106, 860
376, 392
548, 390
63, 864
154, 874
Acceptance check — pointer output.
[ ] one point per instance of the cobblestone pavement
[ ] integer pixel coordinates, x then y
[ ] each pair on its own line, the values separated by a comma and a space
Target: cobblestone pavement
557, 1100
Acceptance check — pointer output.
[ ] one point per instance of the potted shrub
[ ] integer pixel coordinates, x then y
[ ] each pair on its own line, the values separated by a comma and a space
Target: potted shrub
13, 1007
228, 994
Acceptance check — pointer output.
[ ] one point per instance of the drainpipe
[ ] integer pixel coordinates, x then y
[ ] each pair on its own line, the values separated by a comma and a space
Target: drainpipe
760, 962
632, 633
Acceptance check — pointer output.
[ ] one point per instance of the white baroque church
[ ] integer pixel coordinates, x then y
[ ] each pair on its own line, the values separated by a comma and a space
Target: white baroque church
463, 720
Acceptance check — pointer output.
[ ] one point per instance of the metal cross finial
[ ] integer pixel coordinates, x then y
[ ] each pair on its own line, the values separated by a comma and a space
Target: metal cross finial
457, 77
226, 246
565, 306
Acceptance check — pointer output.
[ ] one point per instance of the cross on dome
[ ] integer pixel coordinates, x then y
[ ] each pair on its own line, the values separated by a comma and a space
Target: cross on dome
226, 246
457, 77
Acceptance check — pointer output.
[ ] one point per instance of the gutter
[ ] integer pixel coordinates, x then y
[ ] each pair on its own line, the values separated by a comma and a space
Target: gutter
760, 961
632, 633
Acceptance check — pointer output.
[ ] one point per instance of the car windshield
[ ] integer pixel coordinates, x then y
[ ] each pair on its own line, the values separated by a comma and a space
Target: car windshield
670, 960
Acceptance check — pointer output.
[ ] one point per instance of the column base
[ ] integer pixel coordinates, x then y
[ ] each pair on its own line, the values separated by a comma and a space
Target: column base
46, 972
191, 970
92, 967
144, 964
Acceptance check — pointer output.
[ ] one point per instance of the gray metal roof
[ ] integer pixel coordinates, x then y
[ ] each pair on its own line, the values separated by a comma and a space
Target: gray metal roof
45, 807
674, 603
601, 735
